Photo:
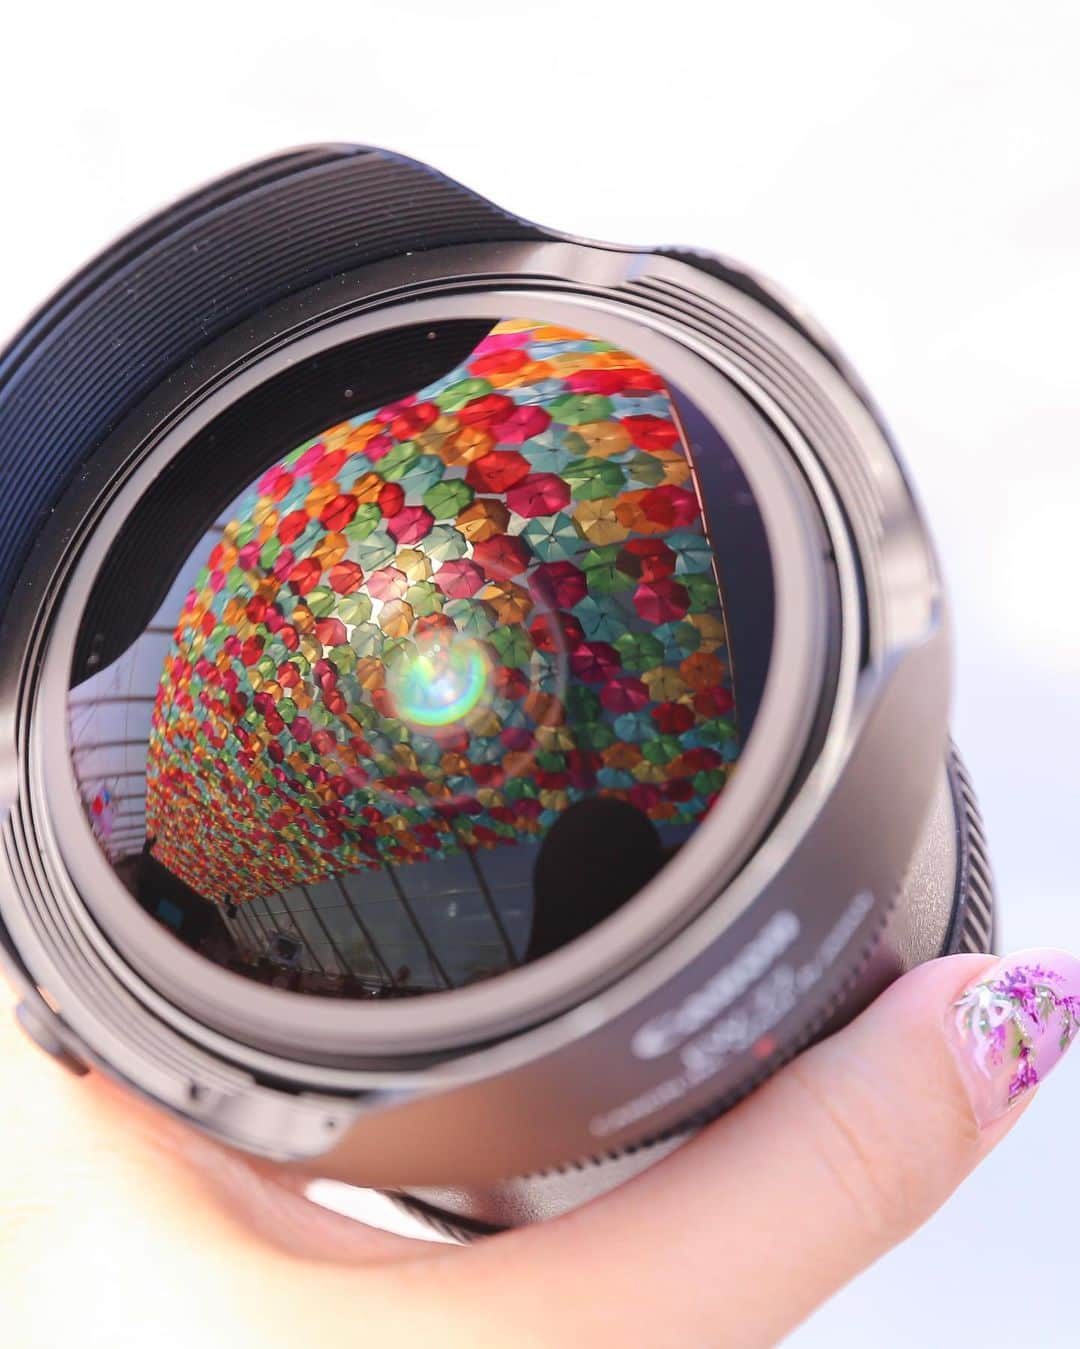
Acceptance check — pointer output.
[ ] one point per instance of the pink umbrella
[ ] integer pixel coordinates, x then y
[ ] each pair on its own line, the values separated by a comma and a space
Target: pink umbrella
410, 524
522, 424
460, 578
388, 583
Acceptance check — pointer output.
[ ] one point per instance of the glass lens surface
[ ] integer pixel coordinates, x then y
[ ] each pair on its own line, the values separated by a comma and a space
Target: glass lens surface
442, 685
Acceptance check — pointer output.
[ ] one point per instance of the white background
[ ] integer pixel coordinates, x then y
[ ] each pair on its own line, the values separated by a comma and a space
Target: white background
911, 171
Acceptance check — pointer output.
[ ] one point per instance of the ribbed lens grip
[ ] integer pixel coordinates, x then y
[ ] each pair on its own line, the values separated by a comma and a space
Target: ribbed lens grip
185, 277
973, 927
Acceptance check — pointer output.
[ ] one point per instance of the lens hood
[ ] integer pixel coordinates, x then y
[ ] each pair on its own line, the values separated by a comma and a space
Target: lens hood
298, 295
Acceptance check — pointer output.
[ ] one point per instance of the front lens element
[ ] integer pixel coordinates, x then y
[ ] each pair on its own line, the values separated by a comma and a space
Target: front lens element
443, 687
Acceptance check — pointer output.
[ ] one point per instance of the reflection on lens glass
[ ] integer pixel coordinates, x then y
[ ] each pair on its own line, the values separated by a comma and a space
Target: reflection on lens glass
442, 688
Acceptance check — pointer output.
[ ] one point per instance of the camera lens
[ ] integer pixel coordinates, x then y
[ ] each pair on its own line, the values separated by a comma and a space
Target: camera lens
442, 685
399, 598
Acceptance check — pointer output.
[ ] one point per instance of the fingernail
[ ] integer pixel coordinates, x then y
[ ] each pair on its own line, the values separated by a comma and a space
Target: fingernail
1009, 1028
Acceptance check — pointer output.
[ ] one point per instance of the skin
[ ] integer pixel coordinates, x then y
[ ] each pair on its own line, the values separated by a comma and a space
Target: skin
119, 1227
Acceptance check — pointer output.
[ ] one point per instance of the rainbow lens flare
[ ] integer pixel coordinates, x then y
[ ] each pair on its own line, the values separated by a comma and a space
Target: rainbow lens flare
441, 684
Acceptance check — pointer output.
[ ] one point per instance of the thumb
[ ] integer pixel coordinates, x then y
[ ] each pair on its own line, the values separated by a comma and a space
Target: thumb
742, 1232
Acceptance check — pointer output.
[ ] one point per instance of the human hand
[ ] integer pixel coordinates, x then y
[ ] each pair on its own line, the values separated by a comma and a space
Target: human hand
120, 1227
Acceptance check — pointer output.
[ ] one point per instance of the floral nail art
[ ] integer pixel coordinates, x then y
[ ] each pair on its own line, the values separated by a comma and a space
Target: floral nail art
1009, 1029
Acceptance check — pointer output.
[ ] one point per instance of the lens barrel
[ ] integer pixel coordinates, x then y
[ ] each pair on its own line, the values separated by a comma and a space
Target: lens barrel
401, 599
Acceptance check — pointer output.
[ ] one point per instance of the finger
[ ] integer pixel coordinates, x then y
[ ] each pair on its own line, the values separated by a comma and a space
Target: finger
729, 1242
741, 1233
66, 1136
123, 1208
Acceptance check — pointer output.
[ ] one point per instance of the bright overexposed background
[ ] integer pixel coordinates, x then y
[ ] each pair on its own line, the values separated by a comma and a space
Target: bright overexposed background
910, 170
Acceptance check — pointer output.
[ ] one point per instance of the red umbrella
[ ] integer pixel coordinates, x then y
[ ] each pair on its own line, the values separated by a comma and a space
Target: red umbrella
559, 585
338, 512
624, 694
673, 718
503, 556
644, 795
391, 498
594, 662
651, 433
291, 526
411, 421
649, 559
716, 702
497, 471
670, 506
488, 410
499, 362
555, 632
661, 601
346, 576
328, 467
331, 632
304, 576
538, 494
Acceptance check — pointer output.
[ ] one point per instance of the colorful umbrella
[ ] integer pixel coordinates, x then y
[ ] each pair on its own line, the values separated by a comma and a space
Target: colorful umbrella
538, 494
601, 618
447, 499
553, 538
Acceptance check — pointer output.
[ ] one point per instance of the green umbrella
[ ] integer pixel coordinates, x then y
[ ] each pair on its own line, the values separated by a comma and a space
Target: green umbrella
602, 571
702, 592
594, 479
471, 617
575, 408
513, 644
639, 650
375, 552
454, 398
366, 639
646, 470
445, 499
444, 544
364, 522
355, 608
396, 464
601, 619
553, 538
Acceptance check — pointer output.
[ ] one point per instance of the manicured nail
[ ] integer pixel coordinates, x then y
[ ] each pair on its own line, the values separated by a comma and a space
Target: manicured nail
1011, 1027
